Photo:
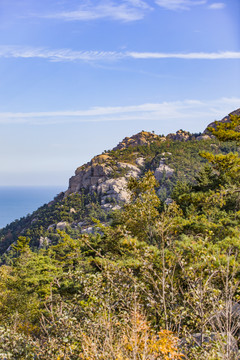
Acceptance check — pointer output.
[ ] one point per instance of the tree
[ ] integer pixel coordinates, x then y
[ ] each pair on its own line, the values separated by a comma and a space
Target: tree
140, 214
227, 131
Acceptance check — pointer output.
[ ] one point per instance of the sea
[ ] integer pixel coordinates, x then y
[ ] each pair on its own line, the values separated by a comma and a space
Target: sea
17, 202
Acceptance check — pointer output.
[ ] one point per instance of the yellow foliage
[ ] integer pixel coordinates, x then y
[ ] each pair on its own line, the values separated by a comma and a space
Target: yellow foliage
136, 341
148, 345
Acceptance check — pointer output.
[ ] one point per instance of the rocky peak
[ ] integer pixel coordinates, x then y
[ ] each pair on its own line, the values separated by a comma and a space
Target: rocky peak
180, 135
142, 138
105, 176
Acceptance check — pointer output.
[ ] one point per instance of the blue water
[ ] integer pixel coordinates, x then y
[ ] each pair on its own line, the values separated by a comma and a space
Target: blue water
16, 202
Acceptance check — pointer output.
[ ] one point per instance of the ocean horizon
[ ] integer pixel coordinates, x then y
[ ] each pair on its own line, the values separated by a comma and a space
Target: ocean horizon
19, 201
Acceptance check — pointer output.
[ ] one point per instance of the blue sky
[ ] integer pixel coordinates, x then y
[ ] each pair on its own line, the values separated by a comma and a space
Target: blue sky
77, 76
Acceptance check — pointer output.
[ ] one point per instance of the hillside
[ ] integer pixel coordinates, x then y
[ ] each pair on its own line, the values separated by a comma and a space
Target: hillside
226, 119
100, 186
138, 259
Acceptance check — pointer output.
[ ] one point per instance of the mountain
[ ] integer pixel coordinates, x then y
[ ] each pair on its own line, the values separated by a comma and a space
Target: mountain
107, 174
99, 187
139, 258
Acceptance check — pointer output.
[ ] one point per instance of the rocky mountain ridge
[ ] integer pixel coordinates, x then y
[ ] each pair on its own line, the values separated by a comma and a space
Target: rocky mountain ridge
142, 138
100, 186
108, 177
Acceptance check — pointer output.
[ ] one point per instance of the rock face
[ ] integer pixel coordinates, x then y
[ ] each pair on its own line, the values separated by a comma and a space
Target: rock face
103, 176
163, 169
203, 137
180, 135
61, 225
113, 190
140, 161
224, 120
43, 241
108, 177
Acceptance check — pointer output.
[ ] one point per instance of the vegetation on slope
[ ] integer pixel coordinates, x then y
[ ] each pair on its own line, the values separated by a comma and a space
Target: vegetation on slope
158, 282
182, 157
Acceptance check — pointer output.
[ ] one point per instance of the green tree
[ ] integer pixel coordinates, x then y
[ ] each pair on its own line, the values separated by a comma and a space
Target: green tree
140, 214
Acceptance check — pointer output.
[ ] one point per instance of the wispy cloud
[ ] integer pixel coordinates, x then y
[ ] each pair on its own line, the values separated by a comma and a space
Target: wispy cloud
179, 4
189, 110
57, 54
128, 10
217, 6
193, 56
67, 55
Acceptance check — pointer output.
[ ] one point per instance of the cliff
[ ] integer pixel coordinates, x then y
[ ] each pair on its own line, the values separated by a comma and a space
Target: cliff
107, 176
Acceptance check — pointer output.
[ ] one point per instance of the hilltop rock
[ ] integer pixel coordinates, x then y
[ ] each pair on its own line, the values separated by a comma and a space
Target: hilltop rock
91, 174
180, 135
100, 175
142, 138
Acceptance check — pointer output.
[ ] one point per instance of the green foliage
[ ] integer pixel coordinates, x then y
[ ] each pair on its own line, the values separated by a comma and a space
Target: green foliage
227, 131
154, 274
140, 214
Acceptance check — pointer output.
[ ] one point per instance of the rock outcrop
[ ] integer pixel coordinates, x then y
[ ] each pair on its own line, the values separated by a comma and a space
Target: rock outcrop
163, 170
43, 241
61, 225
203, 137
142, 138
180, 135
102, 175
113, 190
107, 176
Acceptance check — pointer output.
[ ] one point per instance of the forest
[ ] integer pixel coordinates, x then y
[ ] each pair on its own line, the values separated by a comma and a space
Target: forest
153, 281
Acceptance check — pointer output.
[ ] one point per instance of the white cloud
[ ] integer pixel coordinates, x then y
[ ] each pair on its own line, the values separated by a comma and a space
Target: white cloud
193, 56
58, 55
217, 6
179, 4
128, 10
186, 111
139, 3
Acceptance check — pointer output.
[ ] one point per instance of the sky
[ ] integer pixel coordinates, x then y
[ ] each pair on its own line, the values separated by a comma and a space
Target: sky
77, 76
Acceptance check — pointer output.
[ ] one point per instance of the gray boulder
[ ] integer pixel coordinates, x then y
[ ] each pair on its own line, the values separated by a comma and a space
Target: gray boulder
61, 225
